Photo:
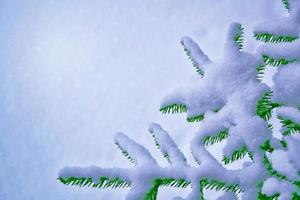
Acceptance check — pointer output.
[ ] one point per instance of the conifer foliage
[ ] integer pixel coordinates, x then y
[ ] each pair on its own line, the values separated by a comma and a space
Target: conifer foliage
231, 103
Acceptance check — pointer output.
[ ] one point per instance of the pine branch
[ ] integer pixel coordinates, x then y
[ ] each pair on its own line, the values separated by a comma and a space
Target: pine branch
262, 196
165, 154
275, 173
276, 62
210, 140
265, 106
297, 183
104, 182
239, 37
125, 153
219, 185
286, 4
272, 171
237, 155
267, 147
290, 126
260, 72
171, 182
267, 37
194, 54
295, 196
167, 146
174, 108
196, 118
283, 144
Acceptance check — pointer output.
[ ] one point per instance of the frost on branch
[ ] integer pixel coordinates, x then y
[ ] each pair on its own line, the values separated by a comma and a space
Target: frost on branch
232, 104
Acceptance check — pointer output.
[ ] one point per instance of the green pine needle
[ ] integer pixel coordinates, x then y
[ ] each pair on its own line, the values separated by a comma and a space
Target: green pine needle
267, 37
262, 196
171, 182
210, 140
237, 155
173, 108
290, 126
104, 182
297, 183
283, 144
125, 153
286, 4
265, 106
295, 196
196, 118
276, 62
267, 147
195, 65
219, 185
239, 37
165, 154
273, 172
260, 72
200, 117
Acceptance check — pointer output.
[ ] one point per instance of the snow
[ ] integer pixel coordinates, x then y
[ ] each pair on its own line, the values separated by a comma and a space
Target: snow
286, 85
289, 113
272, 186
281, 163
287, 26
139, 154
167, 145
196, 54
227, 196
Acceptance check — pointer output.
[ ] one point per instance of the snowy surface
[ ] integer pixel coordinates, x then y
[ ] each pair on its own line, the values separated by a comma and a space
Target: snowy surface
73, 73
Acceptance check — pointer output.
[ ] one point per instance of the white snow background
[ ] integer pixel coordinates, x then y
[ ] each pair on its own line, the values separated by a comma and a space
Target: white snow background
74, 72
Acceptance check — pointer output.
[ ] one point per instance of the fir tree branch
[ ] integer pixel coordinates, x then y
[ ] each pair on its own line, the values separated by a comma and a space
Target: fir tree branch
125, 153
260, 70
174, 108
267, 37
165, 154
194, 54
262, 196
290, 126
286, 4
196, 118
265, 106
103, 182
267, 147
170, 182
219, 185
239, 37
295, 196
272, 171
210, 140
237, 155
276, 62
